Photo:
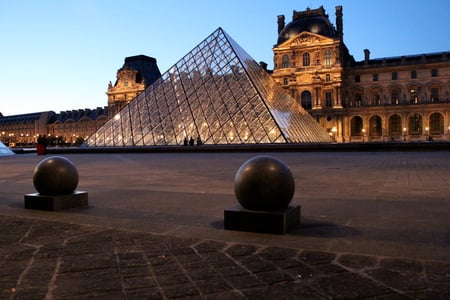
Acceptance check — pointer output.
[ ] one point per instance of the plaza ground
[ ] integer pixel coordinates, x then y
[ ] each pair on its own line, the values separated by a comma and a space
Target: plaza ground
374, 225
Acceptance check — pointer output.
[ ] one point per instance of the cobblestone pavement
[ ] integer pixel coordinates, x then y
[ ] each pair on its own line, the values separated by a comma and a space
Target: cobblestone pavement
53, 260
375, 225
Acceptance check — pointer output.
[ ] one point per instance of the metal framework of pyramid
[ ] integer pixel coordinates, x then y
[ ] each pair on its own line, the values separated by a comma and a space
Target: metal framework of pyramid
217, 93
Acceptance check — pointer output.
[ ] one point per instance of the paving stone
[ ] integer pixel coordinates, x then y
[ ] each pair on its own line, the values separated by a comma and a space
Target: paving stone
144, 294
209, 246
71, 284
84, 262
274, 277
401, 264
316, 257
349, 286
241, 250
356, 261
244, 281
277, 253
172, 279
131, 283
288, 291
181, 290
211, 286
135, 271
405, 281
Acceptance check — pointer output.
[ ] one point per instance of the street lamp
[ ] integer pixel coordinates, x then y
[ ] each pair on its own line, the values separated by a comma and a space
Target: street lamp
363, 133
426, 133
404, 134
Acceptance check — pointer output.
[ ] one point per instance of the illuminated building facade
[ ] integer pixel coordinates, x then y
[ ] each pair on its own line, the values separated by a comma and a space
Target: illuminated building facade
137, 73
403, 98
64, 128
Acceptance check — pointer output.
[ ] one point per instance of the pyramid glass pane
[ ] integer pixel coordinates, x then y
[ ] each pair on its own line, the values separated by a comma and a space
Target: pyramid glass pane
216, 92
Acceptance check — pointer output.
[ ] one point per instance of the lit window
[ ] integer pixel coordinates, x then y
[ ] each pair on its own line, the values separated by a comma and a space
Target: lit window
327, 58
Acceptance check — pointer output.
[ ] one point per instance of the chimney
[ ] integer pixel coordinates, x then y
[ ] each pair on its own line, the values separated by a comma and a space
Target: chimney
366, 56
339, 25
280, 23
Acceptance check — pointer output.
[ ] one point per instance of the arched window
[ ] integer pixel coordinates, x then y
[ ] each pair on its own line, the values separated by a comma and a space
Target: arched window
306, 100
285, 61
306, 59
327, 58
436, 124
375, 126
415, 124
395, 125
356, 125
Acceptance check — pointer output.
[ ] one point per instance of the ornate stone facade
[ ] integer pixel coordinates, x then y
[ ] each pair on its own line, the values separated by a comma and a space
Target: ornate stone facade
403, 98
135, 75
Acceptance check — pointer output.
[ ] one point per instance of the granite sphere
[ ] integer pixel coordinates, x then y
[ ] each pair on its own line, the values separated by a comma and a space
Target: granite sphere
55, 175
264, 183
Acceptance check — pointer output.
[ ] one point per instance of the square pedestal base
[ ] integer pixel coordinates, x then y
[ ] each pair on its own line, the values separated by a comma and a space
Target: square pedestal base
56, 202
277, 222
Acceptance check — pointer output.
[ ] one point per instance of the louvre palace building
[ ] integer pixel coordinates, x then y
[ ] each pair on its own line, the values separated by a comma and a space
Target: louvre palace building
315, 93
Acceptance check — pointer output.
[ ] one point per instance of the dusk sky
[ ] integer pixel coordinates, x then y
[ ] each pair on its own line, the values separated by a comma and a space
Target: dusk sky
60, 55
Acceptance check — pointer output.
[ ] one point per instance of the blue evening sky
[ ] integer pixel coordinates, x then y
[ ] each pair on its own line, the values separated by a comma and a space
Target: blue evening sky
60, 54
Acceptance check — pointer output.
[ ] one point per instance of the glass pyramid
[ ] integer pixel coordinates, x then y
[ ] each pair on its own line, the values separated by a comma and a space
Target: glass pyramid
4, 151
217, 93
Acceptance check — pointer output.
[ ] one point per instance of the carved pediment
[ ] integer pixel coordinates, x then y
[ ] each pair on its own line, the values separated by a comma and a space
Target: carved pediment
308, 38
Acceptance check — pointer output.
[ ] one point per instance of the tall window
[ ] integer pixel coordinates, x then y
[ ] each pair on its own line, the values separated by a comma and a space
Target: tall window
306, 59
414, 74
375, 77
414, 94
356, 125
395, 96
306, 100
436, 124
434, 94
327, 58
328, 99
285, 61
358, 99
357, 78
376, 98
394, 75
375, 126
415, 124
395, 125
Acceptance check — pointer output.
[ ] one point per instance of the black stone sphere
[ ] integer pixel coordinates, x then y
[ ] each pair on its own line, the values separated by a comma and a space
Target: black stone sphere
55, 175
264, 183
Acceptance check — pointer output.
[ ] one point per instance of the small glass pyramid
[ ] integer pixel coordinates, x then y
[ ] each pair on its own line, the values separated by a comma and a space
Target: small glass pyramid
4, 151
216, 93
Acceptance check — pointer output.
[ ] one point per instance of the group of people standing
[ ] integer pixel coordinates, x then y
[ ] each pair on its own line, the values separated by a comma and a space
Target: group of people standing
191, 141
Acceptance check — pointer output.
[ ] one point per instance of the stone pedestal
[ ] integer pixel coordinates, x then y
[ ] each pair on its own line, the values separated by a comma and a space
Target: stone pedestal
56, 202
276, 222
